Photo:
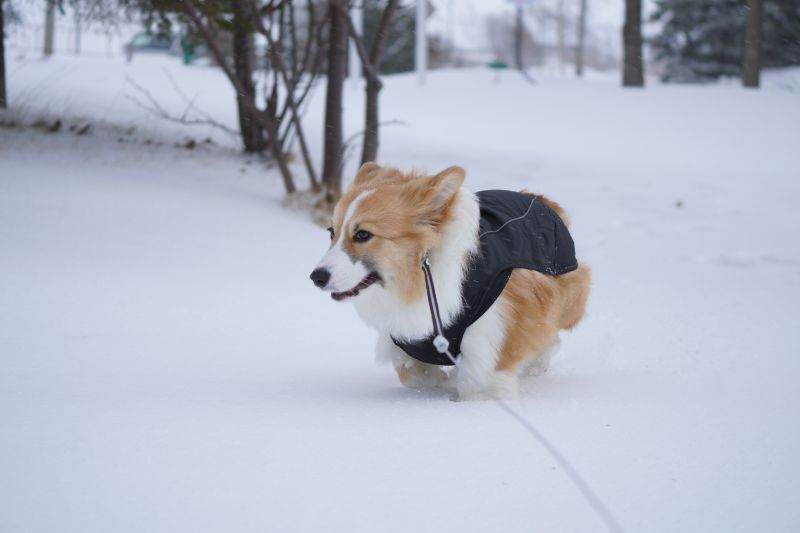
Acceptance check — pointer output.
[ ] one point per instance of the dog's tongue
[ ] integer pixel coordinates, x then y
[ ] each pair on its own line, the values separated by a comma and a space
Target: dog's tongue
363, 284
339, 296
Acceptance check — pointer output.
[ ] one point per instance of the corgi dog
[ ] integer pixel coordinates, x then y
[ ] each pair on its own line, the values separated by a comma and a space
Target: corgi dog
502, 264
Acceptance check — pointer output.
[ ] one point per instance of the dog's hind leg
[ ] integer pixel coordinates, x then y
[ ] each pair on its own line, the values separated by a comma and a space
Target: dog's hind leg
478, 377
538, 364
574, 287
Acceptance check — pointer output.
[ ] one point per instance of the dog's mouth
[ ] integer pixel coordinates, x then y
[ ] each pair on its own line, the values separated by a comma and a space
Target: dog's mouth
370, 278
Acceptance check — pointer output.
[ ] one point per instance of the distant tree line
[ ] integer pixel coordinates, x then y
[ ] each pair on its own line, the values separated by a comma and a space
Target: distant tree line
698, 40
702, 40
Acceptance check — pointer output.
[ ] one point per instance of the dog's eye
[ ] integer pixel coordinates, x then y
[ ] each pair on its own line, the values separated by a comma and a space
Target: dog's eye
362, 236
330, 230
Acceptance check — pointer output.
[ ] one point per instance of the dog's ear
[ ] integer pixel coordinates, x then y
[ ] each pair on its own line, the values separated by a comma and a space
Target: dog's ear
445, 185
367, 172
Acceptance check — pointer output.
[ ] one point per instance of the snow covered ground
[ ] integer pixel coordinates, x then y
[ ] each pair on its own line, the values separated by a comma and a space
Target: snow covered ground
167, 366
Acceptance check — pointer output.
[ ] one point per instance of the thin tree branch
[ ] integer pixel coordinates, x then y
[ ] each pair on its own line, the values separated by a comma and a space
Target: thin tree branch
280, 67
310, 63
300, 107
266, 122
190, 102
346, 147
156, 109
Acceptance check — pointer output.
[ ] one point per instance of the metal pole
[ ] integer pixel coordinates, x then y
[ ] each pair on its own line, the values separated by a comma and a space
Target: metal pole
579, 53
354, 62
49, 27
450, 44
421, 47
77, 28
518, 39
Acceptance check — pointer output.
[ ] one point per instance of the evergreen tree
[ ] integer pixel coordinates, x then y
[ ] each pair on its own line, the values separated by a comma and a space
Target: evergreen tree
701, 40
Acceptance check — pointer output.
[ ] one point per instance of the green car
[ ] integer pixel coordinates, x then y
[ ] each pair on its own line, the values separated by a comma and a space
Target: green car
149, 43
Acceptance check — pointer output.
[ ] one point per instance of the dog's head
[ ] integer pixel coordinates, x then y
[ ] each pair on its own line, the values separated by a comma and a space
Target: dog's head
382, 227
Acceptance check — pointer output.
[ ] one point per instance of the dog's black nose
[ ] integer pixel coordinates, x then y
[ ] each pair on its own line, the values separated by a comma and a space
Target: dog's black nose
320, 277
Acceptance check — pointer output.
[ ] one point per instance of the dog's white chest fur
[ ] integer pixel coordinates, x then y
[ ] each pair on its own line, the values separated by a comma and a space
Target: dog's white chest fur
387, 313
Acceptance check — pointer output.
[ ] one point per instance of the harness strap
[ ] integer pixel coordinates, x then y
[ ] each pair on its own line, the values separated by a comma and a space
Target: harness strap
440, 342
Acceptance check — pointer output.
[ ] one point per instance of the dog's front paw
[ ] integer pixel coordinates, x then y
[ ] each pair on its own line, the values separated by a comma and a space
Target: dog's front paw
420, 376
471, 396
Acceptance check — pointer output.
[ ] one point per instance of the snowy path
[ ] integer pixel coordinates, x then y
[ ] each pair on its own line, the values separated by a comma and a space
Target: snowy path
166, 366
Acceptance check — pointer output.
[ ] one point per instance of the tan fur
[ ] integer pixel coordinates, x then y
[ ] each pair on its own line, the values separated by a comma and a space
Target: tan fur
404, 218
537, 306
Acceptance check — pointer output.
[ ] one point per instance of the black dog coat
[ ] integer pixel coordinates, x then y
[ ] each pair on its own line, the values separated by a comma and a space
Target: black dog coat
538, 240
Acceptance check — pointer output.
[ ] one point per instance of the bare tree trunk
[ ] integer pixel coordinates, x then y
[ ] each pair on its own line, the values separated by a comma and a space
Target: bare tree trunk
633, 73
337, 71
752, 44
372, 124
369, 151
251, 132
3, 100
49, 27
579, 53
267, 122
